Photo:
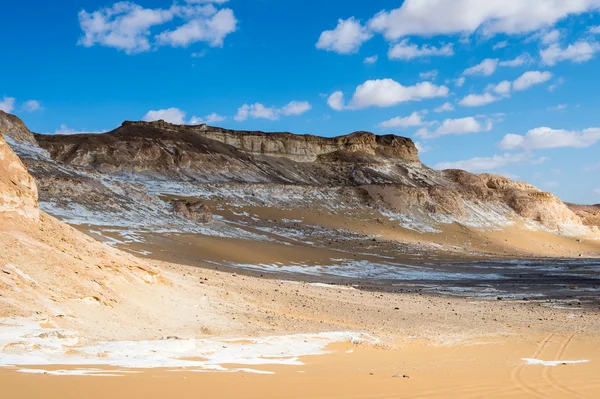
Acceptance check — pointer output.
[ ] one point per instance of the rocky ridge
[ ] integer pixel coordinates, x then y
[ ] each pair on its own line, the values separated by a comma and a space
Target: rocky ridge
126, 171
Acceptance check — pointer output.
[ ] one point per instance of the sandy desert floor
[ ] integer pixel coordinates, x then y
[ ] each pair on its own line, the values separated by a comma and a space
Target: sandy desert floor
484, 369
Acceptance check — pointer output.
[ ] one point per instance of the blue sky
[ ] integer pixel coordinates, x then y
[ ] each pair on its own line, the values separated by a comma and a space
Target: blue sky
497, 86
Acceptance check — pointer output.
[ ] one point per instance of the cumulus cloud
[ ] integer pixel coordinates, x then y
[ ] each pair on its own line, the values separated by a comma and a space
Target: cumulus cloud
171, 115
386, 93
531, 78
446, 107
456, 127
414, 119
478, 100
504, 89
211, 30
578, 52
595, 30
486, 67
346, 38
406, 51
545, 137
460, 82
336, 101
128, 27
259, 111
32, 106
550, 37
7, 104
446, 17
295, 108
479, 164
208, 119
371, 60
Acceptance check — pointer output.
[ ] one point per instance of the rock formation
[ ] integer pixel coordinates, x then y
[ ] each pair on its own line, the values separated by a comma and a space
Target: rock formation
14, 127
18, 191
126, 170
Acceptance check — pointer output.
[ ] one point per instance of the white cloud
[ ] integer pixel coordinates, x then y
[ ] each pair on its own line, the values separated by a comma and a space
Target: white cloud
7, 104
503, 88
480, 164
456, 127
460, 82
446, 107
520, 60
346, 38
578, 52
486, 67
386, 93
446, 17
545, 137
256, 111
171, 115
478, 100
208, 119
128, 27
371, 60
259, 111
429, 75
414, 119
531, 78
551, 37
406, 51
500, 45
295, 108
595, 30
211, 30
336, 101
597, 191
32, 106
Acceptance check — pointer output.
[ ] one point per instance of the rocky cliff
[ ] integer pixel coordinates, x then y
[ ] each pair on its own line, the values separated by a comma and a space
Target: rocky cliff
126, 172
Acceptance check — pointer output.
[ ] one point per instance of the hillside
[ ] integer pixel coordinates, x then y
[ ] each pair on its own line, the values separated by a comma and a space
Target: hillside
145, 183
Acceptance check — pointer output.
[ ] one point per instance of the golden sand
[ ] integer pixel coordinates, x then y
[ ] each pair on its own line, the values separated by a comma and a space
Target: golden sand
413, 370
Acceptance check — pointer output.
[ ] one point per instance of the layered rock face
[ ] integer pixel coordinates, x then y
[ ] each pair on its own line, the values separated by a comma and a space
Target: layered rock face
18, 191
124, 172
298, 148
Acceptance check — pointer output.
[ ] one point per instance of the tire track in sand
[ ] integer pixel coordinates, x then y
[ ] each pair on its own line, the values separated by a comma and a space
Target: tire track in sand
548, 372
517, 373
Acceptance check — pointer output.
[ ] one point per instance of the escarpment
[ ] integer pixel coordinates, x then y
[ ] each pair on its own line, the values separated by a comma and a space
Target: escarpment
122, 171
